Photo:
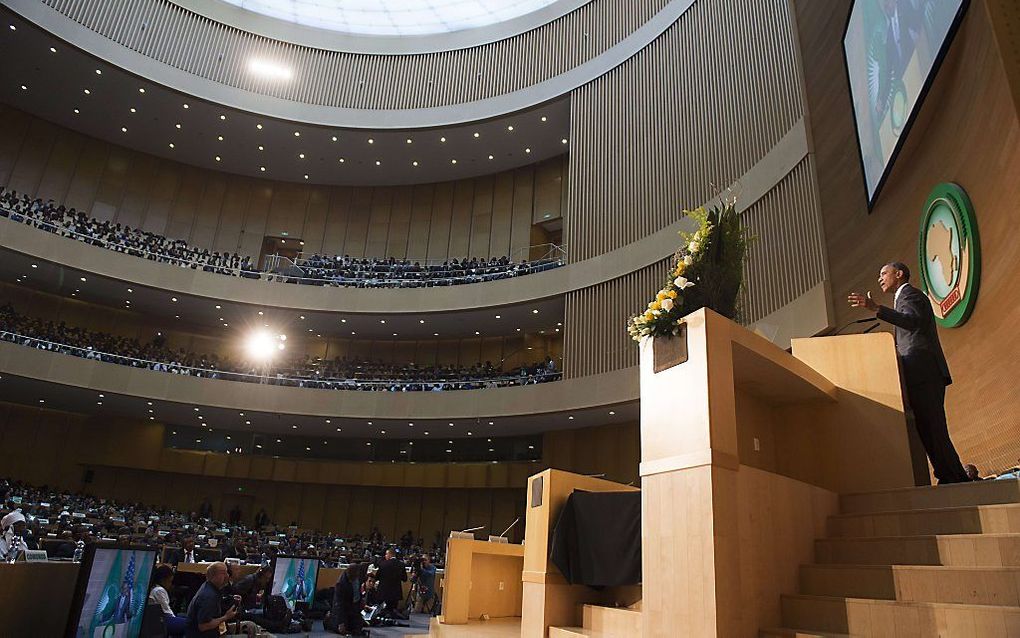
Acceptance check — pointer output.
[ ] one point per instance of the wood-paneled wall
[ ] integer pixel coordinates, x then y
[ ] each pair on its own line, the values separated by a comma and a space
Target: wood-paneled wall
129, 462
512, 351
362, 80
683, 119
967, 132
488, 216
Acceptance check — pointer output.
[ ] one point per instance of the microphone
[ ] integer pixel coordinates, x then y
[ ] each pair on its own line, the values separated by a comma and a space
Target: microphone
852, 323
518, 520
472, 529
601, 475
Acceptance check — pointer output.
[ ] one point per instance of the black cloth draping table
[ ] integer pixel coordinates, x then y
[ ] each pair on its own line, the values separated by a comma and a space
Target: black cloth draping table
597, 539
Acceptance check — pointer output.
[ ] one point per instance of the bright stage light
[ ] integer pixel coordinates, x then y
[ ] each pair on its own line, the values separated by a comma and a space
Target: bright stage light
263, 345
269, 70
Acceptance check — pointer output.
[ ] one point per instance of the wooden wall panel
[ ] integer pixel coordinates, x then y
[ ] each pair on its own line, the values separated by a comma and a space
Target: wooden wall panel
967, 132
225, 212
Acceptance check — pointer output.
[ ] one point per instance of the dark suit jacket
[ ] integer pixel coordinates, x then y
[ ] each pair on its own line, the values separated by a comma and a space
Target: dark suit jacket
917, 340
391, 573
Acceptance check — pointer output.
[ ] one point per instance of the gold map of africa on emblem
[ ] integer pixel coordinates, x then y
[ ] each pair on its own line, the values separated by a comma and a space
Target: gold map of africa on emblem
948, 252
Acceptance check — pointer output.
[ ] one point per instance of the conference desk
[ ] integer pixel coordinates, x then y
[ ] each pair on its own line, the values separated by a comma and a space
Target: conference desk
35, 598
481, 578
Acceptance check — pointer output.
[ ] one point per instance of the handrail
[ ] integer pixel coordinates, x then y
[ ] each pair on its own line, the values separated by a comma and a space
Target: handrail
555, 251
425, 278
334, 383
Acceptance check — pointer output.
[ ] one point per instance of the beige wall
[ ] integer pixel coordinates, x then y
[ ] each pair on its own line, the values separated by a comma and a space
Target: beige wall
130, 463
966, 132
481, 217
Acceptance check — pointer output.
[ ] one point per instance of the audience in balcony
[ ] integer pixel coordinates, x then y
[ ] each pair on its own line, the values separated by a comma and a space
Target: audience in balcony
339, 373
315, 270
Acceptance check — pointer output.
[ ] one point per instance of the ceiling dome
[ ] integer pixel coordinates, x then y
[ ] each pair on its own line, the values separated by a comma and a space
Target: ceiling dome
393, 17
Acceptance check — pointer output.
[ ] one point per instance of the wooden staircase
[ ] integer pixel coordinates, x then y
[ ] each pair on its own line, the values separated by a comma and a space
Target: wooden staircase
926, 561
604, 622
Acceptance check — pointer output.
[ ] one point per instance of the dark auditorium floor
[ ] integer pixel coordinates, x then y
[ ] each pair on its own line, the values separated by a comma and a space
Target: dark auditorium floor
419, 626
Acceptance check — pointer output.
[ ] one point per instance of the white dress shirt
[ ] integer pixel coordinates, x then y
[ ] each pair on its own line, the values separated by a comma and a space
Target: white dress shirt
896, 297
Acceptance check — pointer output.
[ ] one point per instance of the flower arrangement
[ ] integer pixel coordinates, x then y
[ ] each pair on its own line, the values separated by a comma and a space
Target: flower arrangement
708, 271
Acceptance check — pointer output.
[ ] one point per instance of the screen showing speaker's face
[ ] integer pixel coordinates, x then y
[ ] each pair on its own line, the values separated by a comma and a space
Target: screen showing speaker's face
891, 48
115, 595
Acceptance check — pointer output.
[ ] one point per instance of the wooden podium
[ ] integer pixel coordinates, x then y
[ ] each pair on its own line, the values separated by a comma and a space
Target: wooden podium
744, 450
481, 578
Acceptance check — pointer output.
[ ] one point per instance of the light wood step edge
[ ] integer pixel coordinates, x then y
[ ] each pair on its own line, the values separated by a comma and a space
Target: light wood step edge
926, 510
1007, 609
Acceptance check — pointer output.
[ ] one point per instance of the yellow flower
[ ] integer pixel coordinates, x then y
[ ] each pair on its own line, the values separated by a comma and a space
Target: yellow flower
671, 294
649, 316
655, 305
659, 296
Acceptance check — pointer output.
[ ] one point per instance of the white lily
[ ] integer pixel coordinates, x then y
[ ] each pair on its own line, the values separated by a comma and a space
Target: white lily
667, 304
682, 283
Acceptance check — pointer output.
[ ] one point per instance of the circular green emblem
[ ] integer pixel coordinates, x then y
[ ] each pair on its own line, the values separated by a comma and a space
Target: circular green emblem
949, 254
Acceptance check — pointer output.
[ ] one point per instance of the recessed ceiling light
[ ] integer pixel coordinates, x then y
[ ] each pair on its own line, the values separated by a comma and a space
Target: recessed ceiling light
564, 140
490, 157
297, 133
88, 92
301, 155
570, 418
262, 148
258, 126
35, 265
342, 160
14, 28
408, 140
535, 311
223, 117
371, 141
217, 158
171, 145
527, 150
442, 139
453, 161
262, 168
306, 177
82, 278
123, 129
260, 313
510, 128
334, 138
544, 118
53, 50
477, 135
219, 138
185, 106
141, 90
178, 125
76, 111
414, 163
174, 299
612, 412
24, 88
218, 307
499, 317
377, 163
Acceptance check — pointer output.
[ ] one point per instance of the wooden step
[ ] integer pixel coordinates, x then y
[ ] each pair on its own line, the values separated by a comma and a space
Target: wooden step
797, 633
576, 632
617, 622
895, 619
915, 583
958, 550
931, 497
970, 519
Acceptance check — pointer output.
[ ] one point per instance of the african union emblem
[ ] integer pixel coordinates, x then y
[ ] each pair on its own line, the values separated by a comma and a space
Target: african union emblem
950, 255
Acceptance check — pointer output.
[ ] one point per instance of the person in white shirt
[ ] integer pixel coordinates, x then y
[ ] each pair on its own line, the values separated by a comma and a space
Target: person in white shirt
163, 576
12, 535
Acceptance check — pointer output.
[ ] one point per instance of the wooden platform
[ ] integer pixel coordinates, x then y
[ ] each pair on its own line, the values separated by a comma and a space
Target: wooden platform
495, 628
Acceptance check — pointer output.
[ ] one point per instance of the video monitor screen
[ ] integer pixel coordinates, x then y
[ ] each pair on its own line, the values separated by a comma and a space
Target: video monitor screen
112, 588
294, 579
892, 50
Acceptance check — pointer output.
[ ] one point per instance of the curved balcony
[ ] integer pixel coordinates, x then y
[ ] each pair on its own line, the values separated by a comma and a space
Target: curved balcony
52, 379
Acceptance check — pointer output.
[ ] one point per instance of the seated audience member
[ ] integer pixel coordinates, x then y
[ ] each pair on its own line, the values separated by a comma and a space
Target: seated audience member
345, 618
163, 576
206, 617
972, 472
12, 535
186, 554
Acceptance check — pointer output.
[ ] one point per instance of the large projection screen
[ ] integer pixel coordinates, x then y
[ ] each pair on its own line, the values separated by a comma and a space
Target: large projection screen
892, 50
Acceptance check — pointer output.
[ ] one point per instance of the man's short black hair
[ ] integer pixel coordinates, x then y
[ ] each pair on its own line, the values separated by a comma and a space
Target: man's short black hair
162, 572
899, 265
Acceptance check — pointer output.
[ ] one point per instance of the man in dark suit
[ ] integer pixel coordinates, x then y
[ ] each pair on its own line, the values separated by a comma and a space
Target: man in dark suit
923, 366
390, 575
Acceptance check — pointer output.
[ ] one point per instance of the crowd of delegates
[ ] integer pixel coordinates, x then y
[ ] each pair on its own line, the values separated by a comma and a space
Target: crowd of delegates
61, 522
339, 373
315, 270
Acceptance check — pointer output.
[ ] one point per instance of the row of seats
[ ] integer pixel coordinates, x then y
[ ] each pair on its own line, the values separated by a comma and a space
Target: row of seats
303, 371
320, 270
